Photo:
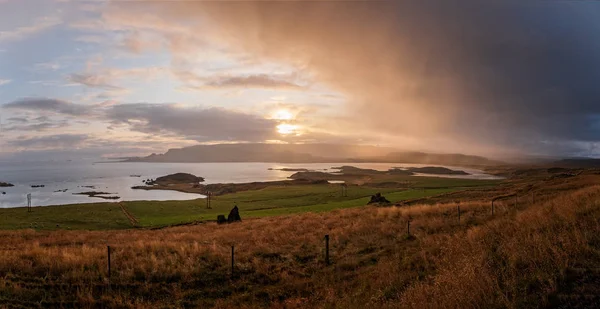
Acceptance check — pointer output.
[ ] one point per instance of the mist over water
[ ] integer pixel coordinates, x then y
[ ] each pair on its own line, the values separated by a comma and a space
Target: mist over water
115, 178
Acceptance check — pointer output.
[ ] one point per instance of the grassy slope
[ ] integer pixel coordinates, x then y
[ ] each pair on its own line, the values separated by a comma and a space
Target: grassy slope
79, 216
523, 257
271, 201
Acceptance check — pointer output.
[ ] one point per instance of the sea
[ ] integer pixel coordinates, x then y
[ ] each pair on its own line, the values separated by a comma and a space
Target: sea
58, 182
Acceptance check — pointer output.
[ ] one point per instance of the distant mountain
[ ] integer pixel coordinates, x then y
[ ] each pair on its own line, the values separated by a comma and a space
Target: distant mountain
577, 163
308, 153
440, 159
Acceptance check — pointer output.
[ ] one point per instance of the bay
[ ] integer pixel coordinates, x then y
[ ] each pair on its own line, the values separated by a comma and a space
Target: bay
116, 178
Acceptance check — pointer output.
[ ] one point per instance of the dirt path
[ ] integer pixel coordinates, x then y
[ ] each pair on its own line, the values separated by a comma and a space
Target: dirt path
132, 220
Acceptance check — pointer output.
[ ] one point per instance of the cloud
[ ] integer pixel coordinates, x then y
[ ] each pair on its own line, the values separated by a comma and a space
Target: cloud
48, 105
93, 80
4, 81
252, 81
17, 120
39, 25
211, 124
49, 141
38, 127
40, 123
173, 121
107, 79
47, 66
480, 76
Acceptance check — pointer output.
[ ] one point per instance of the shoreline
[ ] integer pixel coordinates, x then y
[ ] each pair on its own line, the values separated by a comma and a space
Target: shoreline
51, 196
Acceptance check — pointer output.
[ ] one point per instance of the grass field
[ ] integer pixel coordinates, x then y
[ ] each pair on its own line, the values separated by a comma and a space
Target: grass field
271, 201
531, 254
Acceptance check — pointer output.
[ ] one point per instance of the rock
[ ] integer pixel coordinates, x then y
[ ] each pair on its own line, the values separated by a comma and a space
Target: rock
38, 186
234, 215
378, 199
221, 219
6, 184
3, 193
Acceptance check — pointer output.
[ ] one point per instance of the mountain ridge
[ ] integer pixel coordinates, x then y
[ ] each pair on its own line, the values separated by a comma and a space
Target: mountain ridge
309, 153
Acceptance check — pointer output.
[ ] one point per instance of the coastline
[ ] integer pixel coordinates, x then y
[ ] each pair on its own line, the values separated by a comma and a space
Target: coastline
62, 179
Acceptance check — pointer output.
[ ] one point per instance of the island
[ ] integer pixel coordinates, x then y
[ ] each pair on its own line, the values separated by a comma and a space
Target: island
436, 170
359, 176
176, 179
6, 184
285, 169
350, 175
99, 195
189, 183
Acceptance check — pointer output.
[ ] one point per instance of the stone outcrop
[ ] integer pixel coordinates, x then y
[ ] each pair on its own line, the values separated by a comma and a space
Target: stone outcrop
378, 199
221, 219
234, 215
6, 184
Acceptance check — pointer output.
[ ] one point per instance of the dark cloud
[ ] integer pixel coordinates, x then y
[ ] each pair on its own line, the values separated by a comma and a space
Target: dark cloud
49, 141
477, 76
211, 124
252, 81
17, 119
42, 119
48, 105
41, 123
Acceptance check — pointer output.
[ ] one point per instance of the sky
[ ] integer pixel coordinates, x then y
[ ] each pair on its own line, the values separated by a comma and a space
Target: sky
126, 78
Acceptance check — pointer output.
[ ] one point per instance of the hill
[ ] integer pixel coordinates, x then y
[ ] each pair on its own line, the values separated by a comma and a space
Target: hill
578, 163
308, 153
530, 253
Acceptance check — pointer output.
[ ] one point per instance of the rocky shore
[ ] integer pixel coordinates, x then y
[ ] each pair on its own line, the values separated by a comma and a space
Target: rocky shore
99, 195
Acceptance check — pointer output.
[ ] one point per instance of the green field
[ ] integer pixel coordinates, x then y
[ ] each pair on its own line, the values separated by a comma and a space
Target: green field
272, 201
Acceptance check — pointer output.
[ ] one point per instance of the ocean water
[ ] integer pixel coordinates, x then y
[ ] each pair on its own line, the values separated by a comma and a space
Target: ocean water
116, 179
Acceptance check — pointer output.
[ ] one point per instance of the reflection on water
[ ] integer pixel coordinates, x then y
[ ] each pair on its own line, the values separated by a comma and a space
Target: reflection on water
116, 178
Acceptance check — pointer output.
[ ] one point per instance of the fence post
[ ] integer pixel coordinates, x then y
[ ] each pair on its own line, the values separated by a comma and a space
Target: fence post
408, 227
109, 271
458, 208
232, 261
326, 249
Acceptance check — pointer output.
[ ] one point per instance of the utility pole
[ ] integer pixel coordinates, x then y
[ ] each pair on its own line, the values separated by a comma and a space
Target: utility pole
344, 190
208, 198
28, 202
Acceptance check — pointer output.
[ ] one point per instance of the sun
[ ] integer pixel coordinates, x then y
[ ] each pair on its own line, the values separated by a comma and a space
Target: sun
283, 114
286, 128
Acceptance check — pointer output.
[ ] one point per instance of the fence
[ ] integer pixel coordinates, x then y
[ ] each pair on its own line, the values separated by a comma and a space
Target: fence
326, 258
405, 229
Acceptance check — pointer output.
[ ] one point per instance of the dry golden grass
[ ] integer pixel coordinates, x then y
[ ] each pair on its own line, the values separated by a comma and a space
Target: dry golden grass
517, 258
